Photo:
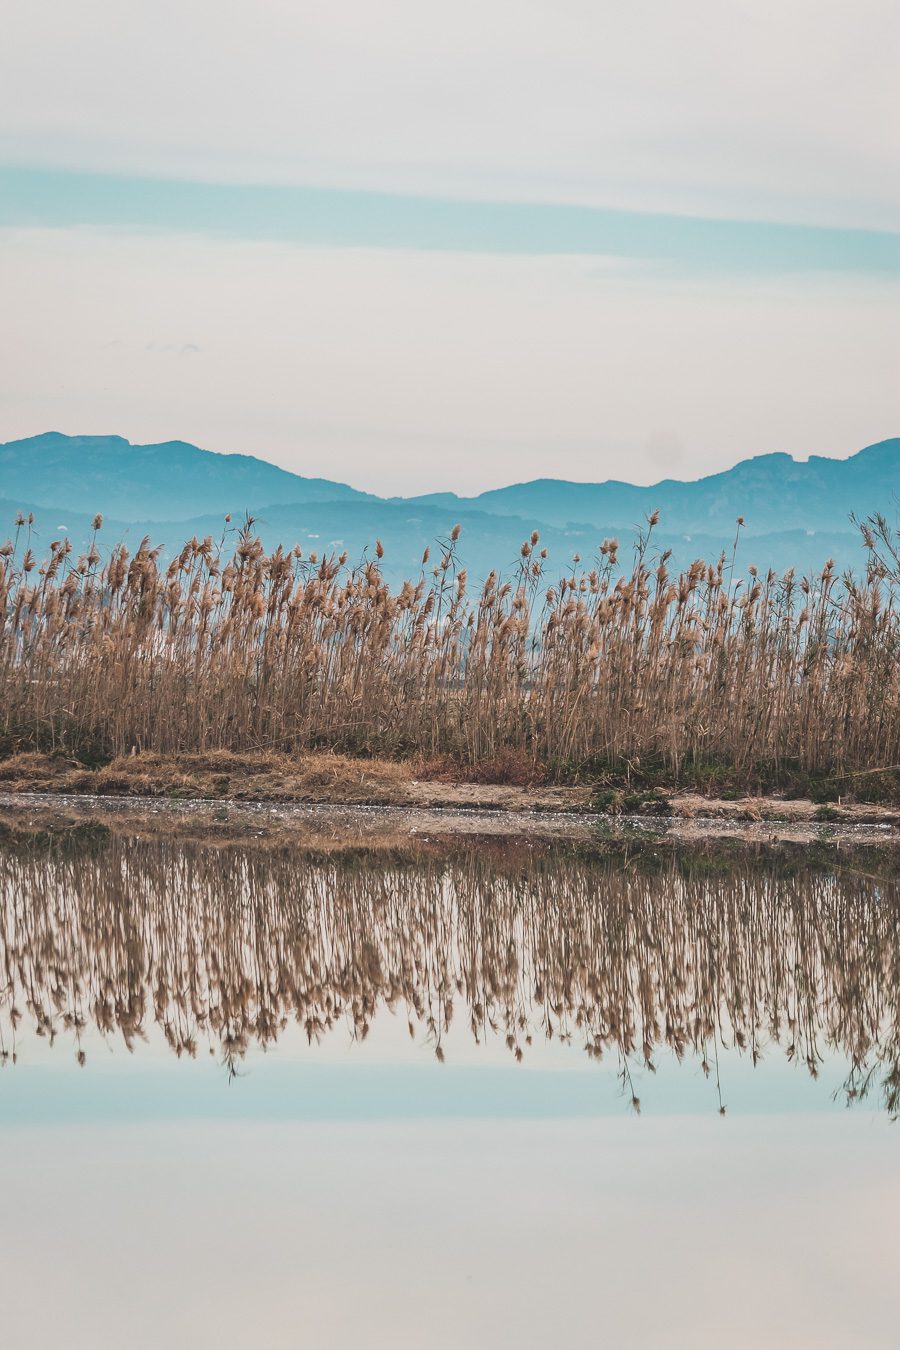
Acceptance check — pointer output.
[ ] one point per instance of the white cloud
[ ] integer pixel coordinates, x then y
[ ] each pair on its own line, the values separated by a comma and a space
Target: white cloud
405, 372
750, 108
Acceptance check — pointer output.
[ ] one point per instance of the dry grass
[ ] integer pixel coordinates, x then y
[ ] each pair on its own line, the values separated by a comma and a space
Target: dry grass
231, 649
319, 777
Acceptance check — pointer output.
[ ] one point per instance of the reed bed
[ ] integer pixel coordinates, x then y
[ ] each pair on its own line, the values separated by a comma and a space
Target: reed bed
602, 667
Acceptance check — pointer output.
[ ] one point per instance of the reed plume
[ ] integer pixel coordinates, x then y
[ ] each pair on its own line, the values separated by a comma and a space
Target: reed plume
599, 667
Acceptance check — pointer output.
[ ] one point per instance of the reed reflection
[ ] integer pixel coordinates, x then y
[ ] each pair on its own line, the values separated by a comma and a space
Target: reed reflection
624, 955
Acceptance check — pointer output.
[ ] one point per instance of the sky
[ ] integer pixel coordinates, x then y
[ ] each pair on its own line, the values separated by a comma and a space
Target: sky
420, 247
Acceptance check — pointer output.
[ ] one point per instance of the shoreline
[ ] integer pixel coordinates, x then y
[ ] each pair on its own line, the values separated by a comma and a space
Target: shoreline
327, 779
337, 826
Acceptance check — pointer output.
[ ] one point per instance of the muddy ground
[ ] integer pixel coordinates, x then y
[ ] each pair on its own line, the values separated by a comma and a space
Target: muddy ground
272, 794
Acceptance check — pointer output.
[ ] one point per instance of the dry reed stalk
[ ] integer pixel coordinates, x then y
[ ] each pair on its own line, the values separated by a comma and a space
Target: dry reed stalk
601, 667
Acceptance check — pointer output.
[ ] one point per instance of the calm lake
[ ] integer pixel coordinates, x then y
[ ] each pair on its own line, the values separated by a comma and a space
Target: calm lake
442, 1092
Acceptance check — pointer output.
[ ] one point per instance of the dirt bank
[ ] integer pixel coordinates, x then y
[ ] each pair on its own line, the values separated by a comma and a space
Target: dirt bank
205, 783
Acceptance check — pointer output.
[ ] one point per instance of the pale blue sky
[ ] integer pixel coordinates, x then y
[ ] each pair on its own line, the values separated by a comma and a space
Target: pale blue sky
418, 247
40, 196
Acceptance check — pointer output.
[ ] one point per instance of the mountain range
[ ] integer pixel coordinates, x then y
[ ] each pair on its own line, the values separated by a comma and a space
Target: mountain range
796, 512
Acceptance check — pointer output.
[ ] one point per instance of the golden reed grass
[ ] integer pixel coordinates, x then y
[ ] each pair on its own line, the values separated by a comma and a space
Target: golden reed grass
224, 947
228, 647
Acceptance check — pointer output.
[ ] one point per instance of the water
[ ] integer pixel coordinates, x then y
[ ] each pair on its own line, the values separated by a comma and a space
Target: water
287, 1091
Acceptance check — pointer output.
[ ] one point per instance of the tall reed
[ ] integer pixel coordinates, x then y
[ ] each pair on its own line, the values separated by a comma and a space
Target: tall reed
228, 647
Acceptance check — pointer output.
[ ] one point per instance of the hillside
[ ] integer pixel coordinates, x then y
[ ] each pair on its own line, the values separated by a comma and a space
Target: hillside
796, 513
171, 481
773, 492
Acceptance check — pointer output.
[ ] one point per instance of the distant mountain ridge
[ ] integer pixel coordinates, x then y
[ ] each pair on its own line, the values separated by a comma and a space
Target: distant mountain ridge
796, 512
169, 481
772, 492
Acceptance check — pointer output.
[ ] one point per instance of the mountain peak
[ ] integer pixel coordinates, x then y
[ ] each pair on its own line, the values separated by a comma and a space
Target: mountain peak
49, 439
169, 480
174, 480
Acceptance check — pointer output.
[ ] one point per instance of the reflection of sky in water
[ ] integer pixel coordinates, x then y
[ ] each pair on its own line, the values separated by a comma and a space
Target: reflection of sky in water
388, 1076
357, 1192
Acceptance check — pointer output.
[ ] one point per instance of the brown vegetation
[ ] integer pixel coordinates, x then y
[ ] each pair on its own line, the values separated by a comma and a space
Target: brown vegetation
695, 677
239, 795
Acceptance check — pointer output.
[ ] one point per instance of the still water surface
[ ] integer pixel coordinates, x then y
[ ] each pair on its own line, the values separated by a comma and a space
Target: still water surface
446, 1092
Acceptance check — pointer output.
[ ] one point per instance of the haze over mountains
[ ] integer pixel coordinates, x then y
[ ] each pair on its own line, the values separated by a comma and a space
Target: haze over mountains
796, 512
